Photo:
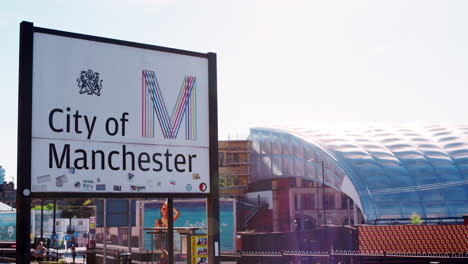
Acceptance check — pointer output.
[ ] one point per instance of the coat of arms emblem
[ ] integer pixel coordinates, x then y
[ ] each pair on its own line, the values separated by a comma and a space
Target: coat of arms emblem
89, 83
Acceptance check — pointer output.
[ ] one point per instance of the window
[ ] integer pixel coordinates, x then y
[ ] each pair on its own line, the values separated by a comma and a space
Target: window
295, 202
304, 201
233, 157
221, 159
307, 184
312, 201
329, 201
307, 201
221, 180
344, 202
243, 157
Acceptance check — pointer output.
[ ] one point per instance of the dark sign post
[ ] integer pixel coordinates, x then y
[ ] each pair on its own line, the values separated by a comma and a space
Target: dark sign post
213, 199
105, 118
23, 198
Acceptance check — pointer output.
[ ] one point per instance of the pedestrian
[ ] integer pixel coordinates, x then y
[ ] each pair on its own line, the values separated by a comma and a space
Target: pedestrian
164, 257
73, 250
40, 252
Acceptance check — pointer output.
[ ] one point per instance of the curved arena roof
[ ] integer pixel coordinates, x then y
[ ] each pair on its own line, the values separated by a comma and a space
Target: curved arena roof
390, 172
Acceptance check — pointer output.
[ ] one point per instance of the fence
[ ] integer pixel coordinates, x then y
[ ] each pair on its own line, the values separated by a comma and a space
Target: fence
334, 256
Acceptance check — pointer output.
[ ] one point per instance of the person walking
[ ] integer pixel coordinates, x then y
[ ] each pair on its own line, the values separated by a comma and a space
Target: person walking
40, 252
73, 250
164, 257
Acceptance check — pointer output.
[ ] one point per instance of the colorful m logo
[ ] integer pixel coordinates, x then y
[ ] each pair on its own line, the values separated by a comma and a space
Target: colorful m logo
153, 105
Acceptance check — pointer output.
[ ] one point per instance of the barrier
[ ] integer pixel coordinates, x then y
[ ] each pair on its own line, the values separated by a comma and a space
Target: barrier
347, 253
306, 253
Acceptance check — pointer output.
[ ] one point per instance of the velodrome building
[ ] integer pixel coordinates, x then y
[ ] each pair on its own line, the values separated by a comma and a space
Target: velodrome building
311, 176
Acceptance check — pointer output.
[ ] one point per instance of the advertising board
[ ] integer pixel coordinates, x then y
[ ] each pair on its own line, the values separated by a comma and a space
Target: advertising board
193, 214
7, 226
199, 254
112, 118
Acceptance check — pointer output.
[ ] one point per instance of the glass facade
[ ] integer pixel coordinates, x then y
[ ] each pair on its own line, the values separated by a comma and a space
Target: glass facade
389, 172
2, 174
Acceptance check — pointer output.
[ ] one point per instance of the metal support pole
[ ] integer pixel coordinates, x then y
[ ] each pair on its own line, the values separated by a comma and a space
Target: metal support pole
104, 224
129, 236
23, 191
54, 239
189, 249
213, 198
170, 229
323, 195
54, 218
301, 226
152, 247
349, 223
42, 220
349, 213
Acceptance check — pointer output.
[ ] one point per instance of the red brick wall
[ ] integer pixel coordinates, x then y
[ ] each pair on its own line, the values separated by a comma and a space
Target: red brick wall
415, 238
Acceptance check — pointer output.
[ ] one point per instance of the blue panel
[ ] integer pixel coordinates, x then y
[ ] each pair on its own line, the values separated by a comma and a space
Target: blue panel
386, 210
408, 208
458, 193
456, 207
436, 209
117, 212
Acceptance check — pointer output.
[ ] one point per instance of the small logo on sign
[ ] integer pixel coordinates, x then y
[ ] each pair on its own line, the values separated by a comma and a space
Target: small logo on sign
188, 187
203, 187
88, 185
196, 176
100, 187
11, 229
172, 182
130, 176
137, 188
117, 188
77, 185
89, 83
60, 180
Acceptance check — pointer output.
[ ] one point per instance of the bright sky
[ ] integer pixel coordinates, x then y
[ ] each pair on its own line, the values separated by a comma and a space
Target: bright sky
325, 61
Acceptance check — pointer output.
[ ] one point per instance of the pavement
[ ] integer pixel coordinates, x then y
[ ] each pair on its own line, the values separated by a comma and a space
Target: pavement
66, 254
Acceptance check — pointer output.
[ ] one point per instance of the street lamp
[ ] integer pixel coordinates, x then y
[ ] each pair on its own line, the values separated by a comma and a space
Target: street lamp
323, 189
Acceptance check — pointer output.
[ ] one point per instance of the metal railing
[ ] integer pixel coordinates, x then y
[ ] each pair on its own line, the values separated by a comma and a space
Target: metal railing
355, 253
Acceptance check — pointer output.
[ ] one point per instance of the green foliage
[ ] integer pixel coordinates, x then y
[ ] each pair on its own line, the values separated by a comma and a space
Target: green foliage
415, 219
48, 206
77, 208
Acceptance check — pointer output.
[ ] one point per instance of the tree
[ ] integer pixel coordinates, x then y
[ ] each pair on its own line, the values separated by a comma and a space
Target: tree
415, 219
48, 206
78, 208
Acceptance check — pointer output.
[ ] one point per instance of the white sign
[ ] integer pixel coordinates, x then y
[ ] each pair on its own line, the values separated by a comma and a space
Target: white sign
115, 118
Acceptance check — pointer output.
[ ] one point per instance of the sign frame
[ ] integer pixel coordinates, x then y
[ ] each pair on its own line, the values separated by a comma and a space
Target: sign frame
24, 194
